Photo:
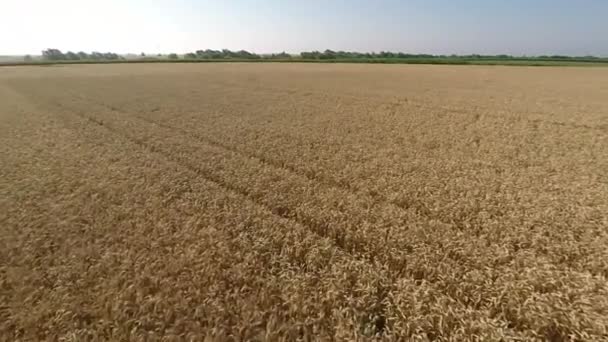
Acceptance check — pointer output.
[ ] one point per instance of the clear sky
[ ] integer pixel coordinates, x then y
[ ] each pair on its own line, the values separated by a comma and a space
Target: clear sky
518, 27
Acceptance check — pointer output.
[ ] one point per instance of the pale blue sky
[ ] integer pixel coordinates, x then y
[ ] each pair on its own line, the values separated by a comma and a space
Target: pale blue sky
574, 27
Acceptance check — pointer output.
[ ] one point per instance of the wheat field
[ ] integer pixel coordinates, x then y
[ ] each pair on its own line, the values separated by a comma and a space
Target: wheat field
269, 202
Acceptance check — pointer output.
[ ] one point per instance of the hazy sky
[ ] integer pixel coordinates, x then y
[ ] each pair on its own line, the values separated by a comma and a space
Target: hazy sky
532, 27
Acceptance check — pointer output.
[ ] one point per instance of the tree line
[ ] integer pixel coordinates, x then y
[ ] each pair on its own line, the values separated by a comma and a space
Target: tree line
57, 55
330, 54
209, 54
228, 54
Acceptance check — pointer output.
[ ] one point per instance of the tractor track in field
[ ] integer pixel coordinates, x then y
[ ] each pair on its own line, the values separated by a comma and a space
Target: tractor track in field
377, 202
377, 199
281, 213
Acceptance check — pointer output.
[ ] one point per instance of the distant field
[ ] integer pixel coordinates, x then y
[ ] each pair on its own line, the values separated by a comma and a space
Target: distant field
435, 60
244, 201
10, 59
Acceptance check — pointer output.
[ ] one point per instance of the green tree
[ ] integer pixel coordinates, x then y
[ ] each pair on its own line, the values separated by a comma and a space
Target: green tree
96, 55
110, 56
53, 55
71, 56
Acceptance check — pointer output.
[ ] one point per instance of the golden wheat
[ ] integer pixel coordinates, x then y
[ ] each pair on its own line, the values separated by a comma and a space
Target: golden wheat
303, 202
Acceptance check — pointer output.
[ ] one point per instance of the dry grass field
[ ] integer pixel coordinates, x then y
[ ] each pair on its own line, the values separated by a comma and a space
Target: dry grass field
303, 202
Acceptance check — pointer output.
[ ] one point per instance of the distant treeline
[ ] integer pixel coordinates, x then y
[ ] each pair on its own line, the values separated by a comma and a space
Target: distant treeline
327, 55
384, 55
226, 54
57, 55
348, 55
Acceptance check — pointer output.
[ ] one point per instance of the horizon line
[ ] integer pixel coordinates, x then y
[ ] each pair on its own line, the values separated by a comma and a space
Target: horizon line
554, 55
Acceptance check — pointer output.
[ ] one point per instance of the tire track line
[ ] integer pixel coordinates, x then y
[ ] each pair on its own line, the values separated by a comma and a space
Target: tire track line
384, 293
320, 231
382, 289
378, 202
152, 149
352, 249
378, 199
354, 245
